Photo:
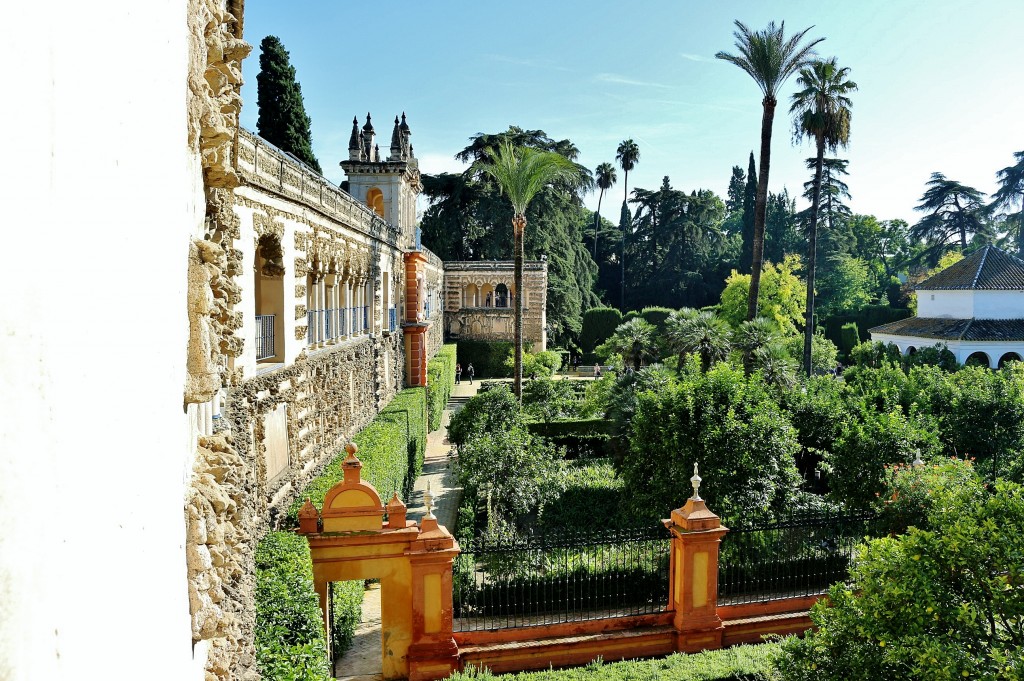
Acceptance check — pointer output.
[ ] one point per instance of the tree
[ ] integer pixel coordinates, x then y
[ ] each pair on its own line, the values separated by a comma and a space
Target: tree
522, 173
821, 110
781, 237
749, 203
605, 177
676, 332
628, 155
954, 211
770, 59
833, 214
781, 296
634, 341
706, 335
752, 335
737, 184
1010, 192
282, 117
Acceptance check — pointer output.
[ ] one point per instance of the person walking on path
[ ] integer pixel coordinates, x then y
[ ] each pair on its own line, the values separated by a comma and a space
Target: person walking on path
458, 374
469, 372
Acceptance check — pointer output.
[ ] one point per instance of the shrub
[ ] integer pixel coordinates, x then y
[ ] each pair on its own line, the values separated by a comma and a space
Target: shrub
440, 382
391, 449
599, 324
936, 355
487, 357
656, 316
849, 338
493, 409
289, 636
346, 614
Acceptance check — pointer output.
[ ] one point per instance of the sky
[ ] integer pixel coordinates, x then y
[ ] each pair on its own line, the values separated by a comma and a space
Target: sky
940, 86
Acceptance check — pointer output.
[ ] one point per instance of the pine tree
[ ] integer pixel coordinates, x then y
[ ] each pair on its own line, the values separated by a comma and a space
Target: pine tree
749, 199
282, 115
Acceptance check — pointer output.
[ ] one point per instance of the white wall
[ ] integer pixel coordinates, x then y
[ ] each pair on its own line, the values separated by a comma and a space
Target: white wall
101, 198
999, 305
948, 304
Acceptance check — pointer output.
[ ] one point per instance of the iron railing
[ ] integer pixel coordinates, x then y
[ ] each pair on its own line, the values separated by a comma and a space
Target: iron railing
800, 556
366, 317
329, 323
548, 580
392, 318
311, 319
264, 336
352, 311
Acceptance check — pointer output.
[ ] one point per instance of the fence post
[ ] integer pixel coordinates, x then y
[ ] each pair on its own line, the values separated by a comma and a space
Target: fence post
693, 573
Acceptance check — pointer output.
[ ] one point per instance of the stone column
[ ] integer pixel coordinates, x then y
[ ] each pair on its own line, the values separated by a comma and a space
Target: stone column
693, 573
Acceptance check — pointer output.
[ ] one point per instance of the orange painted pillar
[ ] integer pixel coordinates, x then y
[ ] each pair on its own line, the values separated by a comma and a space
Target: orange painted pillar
693, 573
433, 653
415, 328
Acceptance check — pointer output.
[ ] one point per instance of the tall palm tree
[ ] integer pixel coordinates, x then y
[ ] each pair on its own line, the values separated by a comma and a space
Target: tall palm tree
606, 177
520, 174
1010, 192
770, 59
821, 110
628, 155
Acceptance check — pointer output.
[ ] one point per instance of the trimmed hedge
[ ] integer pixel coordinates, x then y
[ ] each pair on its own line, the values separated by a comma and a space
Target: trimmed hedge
487, 358
440, 381
866, 318
583, 439
391, 448
656, 316
599, 324
289, 633
738, 663
849, 338
346, 613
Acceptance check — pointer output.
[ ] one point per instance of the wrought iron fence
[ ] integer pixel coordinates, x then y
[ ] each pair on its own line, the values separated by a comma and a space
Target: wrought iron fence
311, 327
392, 318
264, 336
800, 556
366, 317
355, 320
329, 323
548, 580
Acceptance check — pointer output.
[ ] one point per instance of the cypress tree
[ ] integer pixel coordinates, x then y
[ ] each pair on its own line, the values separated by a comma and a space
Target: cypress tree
282, 115
749, 198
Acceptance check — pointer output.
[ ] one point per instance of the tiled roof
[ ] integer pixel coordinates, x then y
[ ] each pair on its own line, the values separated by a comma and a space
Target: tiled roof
989, 269
956, 329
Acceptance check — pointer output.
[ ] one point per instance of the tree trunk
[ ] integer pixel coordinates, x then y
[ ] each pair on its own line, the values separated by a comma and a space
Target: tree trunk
597, 221
518, 229
761, 205
812, 256
622, 281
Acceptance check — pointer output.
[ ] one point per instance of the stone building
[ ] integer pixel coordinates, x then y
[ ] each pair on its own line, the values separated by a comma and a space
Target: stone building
974, 307
479, 296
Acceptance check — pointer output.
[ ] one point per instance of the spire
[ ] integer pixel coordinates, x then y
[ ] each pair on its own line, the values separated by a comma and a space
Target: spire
396, 143
355, 141
405, 126
368, 136
369, 126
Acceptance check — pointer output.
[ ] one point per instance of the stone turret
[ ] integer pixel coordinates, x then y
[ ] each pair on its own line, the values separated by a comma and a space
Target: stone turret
355, 142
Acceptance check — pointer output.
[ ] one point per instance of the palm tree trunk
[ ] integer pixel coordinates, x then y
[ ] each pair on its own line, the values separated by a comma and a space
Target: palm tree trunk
761, 205
597, 221
518, 229
812, 255
622, 281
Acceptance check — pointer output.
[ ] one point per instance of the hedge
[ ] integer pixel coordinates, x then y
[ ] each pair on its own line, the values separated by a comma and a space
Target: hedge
656, 316
583, 439
487, 358
599, 324
289, 633
346, 613
866, 318
391, 449
730, 664
440, 381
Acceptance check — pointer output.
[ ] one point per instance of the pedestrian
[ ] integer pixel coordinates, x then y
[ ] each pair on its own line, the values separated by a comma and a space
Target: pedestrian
458, 374
469, 372
597, 371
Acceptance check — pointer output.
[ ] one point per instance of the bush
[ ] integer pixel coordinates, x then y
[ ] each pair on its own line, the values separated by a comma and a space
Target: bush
346, 614
849, 338
487, 357
391, 449
289, 636
657, 317
493, 409
599, 324
440, 382
580, 439
731, 664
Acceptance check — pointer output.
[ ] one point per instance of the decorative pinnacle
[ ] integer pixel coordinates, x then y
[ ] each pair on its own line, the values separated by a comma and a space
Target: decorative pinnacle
428, 499
917, 462
695, 481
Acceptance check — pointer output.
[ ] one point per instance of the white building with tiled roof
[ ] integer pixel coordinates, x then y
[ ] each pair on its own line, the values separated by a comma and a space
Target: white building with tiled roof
974, 307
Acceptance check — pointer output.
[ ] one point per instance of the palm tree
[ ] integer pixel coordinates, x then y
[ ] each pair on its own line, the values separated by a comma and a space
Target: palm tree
707, 335
954, 210
628, 155
821, 109
770, 59
635, 341
520, 174
676, 332
605, 176
776, 366
752, 335
1010, 192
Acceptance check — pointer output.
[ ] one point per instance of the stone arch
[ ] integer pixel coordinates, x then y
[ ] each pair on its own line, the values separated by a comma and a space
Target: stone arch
1009, 357
501, 296
978, 358
470, 295
375, 200
911, 350
268, 285
487, 295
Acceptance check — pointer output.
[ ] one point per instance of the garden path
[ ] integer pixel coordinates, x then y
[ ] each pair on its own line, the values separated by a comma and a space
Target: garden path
362, 661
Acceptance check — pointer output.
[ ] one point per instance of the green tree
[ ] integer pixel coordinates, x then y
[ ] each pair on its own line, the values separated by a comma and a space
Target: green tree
605, 177
734, 194
706, 335
749, 204
1010, 193
628, 155
676, 332
845, 286
751, 335
781, 296
282, 117
954, 211
821, 110
781, 237
634, 341
941, 602
770, 59
521, 174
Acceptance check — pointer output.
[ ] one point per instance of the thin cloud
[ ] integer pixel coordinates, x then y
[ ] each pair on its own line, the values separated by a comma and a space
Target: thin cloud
623, 80
533, 63
694, 57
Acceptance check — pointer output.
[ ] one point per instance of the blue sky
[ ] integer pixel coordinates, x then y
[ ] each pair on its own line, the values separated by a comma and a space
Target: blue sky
940, 84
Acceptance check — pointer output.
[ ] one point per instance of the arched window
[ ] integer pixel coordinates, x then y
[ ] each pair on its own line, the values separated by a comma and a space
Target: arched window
1009, 357
469, 296
979, 359
501, 296
911, 351
375, 200
268, 285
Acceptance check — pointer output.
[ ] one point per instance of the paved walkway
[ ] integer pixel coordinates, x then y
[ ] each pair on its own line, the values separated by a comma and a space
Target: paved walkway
362, 662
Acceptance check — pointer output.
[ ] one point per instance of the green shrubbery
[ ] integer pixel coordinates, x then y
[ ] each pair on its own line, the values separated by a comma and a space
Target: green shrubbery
440, 381
289, 630
731, 664
599, 324
347, 611
487, 357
